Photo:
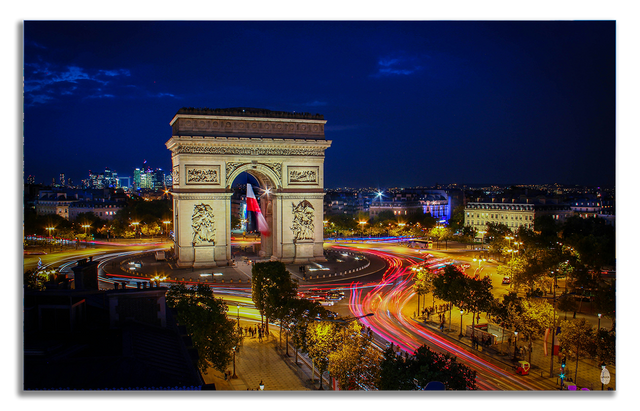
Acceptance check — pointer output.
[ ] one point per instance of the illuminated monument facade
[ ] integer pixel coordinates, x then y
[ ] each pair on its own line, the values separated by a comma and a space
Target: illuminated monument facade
283, 151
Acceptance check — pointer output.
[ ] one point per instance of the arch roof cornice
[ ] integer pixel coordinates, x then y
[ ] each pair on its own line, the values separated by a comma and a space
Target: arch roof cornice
247, 122
246, 146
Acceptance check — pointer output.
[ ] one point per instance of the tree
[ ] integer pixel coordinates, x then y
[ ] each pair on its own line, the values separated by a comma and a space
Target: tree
355, 362
593, 240
456, 222
322, 340
567, 303
577, 338
302, 313
532, 319
271, 288
605, 346
477, 298
605, 300
423, 283
450, 286
415, 372
440, 233
213, 334
296, 311
496, 237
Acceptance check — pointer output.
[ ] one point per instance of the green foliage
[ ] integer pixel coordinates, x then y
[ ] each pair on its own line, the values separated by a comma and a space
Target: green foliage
503, 310
605, 299
323, 339
355, 362
450, 285
271, 288
531, 319
577, 338
346, 352
456, 222
300, 313
605, 346
425, 366
213, 334
477, 296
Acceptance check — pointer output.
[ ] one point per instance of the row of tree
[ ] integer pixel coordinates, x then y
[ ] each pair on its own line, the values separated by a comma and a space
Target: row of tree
529, 316
343, 347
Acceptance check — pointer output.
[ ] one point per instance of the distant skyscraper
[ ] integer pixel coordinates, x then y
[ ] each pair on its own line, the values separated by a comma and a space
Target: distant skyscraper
137, 176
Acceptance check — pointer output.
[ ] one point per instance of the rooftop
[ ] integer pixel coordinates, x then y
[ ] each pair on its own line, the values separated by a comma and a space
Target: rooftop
249, 112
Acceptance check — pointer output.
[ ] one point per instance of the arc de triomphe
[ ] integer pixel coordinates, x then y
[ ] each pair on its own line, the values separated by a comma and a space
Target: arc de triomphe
283, 151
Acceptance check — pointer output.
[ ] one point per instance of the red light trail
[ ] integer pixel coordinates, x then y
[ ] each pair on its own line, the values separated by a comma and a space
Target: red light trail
387, 300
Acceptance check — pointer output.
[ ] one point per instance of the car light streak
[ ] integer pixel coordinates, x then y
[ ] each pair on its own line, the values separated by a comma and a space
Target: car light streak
388, 300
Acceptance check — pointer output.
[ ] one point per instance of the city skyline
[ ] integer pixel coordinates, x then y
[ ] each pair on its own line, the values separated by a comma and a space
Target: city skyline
406, 103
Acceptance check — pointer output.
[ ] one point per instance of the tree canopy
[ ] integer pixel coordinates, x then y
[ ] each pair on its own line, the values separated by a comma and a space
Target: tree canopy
272, 288
415, 372
205, 317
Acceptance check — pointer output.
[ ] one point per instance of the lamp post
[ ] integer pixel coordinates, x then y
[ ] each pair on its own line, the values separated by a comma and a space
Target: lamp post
480, 260
461, 313
85, 226
515, 346
483, 233
166, 232
261, 386
362, 223
234, 376
599, 316
50, 229
157, 279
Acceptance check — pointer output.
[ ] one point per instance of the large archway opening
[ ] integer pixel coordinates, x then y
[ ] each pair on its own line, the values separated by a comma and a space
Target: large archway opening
282, 152
245, 238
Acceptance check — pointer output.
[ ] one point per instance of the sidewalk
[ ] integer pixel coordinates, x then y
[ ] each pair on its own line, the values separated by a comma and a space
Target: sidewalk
260, 361
502, 353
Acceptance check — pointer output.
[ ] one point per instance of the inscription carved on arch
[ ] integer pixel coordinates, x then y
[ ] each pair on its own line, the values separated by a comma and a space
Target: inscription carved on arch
203, 174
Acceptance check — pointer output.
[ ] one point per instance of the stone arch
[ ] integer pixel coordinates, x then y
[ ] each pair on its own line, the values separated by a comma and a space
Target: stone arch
283, 151
265, 175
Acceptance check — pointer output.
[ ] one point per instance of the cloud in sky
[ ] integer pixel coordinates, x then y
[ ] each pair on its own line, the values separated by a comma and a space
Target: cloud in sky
479, 85
396, 65
46, 83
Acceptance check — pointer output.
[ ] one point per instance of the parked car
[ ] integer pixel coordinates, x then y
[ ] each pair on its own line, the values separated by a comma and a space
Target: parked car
506, 280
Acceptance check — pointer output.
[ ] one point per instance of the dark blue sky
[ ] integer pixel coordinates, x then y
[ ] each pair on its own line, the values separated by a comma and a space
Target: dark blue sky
406, 103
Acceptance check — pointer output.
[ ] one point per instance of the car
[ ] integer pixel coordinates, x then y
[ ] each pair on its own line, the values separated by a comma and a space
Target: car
506, 280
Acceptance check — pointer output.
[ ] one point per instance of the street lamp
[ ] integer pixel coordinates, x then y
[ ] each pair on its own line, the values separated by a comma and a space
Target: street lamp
480, 260
461, 313
362, 223
157, 279
599, 316
234, 376
515, 346
261, 386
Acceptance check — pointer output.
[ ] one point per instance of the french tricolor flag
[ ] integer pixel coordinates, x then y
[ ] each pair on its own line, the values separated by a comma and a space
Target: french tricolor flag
252, 206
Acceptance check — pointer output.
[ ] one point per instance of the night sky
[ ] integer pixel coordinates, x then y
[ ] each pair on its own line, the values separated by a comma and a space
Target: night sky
406, 103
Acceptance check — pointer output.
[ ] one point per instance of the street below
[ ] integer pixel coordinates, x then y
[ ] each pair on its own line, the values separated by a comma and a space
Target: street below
386, 292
